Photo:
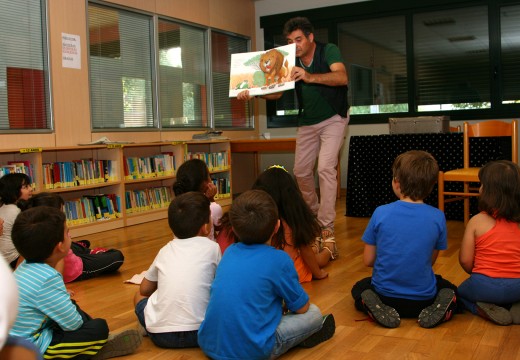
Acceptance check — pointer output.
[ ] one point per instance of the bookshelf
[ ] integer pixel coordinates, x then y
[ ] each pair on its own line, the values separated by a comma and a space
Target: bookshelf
111, 186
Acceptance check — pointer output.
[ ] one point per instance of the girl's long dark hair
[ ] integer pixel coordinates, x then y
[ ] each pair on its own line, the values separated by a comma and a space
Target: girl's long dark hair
500, 195
191, 176
282, 187
11, 186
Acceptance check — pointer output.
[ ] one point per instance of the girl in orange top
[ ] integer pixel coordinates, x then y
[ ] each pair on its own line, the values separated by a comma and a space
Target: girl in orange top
490, 249
299, 227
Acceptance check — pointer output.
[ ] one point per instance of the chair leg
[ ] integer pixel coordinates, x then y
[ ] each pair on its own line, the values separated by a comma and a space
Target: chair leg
466, 204
440, 186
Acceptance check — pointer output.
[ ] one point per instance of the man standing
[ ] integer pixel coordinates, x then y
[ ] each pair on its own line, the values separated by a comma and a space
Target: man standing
321, 87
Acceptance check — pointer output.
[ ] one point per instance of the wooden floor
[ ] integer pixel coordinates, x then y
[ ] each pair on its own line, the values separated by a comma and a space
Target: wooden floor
465, 337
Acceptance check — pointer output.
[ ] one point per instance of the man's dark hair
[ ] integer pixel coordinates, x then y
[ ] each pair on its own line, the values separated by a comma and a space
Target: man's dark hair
37, 231
298, 23
253, 216
187, 213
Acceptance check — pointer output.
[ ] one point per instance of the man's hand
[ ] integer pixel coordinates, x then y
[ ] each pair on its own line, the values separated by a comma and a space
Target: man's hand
244, 95
298, 73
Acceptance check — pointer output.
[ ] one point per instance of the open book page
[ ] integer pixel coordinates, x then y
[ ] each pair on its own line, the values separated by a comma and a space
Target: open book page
136, 279
262, 72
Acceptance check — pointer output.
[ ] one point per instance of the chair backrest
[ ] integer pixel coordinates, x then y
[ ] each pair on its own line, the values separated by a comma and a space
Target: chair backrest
491, 128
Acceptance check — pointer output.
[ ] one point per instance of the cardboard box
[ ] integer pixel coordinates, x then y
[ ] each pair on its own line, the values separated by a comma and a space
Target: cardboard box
419, 125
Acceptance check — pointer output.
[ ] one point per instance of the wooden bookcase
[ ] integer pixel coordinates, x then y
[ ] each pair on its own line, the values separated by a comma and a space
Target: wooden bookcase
121, 181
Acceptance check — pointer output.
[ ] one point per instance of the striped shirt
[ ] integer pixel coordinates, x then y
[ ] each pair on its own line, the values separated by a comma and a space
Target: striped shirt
44, 301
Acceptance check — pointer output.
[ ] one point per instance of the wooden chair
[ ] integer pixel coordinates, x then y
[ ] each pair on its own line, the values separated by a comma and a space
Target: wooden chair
467, 175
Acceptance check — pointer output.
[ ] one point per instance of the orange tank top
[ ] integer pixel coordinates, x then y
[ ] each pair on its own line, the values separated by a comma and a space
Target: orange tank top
304, 273
497, 252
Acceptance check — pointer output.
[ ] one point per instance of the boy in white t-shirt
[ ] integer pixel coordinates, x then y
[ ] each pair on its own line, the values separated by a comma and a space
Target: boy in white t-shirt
174, 294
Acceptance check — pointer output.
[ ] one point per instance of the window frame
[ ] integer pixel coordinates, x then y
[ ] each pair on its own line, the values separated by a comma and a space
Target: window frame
47, 87
333, 15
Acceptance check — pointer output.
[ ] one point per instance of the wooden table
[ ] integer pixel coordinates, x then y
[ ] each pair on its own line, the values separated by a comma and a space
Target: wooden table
273, 145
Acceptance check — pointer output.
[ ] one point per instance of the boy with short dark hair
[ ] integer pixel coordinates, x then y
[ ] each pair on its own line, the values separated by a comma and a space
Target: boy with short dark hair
174, 293
244, 315
402, 242
47, 316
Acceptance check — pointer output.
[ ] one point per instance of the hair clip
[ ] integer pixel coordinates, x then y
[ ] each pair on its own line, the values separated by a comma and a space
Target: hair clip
278, 167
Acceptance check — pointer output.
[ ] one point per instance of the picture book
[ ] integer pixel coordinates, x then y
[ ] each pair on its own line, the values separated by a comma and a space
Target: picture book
262, 72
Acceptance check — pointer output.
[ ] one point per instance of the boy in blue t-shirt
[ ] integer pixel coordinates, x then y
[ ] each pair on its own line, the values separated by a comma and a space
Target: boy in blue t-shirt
46, 315
402, 242
244, 315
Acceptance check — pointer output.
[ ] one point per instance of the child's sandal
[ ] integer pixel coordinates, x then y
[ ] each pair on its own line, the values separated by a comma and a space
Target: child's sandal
334, 253
317, 245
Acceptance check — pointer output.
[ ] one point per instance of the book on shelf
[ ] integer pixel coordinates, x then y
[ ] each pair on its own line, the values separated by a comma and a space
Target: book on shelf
215, 161
147, 199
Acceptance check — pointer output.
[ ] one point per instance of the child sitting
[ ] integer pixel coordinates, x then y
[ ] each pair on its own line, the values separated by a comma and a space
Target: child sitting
490, 249
244, 315
14, 188
193, 175
402, 242
298, 226
81, 262
12, 347
174, 293
46, 314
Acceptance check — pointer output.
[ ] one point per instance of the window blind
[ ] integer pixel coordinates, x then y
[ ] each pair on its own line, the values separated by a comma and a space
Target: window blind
24, 91
120, 46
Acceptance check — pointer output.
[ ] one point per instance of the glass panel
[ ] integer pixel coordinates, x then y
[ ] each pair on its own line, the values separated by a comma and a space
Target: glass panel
510, 46
120, 68
24, 95
228, 112
182, 73
374, 51
452, 59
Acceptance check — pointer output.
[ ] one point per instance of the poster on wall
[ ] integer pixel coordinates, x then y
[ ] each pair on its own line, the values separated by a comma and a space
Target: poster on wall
70, 51
262, 72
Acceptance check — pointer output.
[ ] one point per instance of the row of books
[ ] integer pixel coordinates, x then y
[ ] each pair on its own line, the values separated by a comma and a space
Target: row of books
149, 167
91, 208
148, 199
215, 161
223, 187
24, 167
65, 174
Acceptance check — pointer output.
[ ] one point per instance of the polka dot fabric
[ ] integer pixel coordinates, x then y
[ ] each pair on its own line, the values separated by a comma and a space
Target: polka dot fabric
371, 158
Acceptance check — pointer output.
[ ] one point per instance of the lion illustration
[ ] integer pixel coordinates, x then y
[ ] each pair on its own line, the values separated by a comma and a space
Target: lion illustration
273, 66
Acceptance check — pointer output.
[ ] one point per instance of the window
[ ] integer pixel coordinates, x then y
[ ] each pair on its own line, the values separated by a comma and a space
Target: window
24, 86
452, 59
510, 45
121, 62
457, 58
227, 112
182, 74
374, 51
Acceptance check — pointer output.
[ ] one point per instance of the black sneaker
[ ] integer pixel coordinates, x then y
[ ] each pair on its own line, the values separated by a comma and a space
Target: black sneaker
494, 313
327, 330
382, 314
120, 344
440, 311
